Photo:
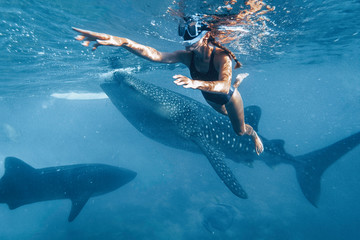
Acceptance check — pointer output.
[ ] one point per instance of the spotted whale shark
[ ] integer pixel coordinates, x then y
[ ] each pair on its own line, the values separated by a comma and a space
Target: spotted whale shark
22, 184
183, 123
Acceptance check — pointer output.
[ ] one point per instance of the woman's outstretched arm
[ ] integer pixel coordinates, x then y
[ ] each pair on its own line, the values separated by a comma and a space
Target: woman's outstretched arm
143, 51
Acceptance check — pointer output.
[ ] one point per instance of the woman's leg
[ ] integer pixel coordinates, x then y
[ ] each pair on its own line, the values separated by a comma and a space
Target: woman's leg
219, 108
235, 111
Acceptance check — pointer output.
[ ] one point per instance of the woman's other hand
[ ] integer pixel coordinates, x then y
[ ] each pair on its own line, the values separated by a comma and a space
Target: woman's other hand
185, 82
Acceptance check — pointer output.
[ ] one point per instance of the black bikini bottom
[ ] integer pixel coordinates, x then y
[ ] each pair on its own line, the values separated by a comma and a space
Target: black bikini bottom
218, 98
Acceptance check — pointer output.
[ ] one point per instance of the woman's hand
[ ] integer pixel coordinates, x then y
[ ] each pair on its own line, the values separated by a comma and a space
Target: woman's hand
100, 38
185, 82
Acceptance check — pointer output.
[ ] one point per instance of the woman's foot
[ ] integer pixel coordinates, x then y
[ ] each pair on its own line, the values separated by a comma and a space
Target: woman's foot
239, 78
259, 147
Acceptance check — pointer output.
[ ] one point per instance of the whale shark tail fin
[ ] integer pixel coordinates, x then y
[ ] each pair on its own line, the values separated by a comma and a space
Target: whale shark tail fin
311, 166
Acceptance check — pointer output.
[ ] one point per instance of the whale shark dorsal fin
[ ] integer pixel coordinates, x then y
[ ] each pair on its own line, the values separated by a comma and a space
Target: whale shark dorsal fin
14, 204
16, 166
252, 116
216, 159
77, 205
277, 144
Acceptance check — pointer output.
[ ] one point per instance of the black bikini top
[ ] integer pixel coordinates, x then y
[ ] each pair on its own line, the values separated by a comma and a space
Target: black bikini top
210, 75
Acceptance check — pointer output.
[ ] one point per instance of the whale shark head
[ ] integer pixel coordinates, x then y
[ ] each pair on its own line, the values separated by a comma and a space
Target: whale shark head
134, 95
138, 101
93, 176
156, 112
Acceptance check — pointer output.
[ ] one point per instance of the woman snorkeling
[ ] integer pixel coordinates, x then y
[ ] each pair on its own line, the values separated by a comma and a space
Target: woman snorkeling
209, 63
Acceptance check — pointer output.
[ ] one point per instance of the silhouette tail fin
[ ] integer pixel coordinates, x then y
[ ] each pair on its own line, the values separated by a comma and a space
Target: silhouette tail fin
310, 167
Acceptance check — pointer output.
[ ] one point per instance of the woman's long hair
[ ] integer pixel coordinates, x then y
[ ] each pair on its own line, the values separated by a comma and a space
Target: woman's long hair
212, 40
254, 9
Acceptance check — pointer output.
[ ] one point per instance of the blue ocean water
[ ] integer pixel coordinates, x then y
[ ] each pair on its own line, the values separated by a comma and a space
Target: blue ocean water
303, 73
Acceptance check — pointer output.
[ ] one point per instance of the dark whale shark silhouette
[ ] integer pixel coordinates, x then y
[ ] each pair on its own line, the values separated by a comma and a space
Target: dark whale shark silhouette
23, 184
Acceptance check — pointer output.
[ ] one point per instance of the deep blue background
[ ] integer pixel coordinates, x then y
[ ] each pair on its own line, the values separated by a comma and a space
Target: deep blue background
304, 74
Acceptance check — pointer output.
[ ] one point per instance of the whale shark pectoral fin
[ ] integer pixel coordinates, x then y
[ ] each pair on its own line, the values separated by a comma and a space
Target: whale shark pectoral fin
216, 159
77, 205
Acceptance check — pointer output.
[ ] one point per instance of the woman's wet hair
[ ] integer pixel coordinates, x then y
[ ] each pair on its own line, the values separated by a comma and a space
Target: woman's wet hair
231, 14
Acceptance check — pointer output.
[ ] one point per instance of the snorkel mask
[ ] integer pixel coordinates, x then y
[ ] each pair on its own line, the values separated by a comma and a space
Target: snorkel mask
192, 29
